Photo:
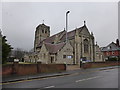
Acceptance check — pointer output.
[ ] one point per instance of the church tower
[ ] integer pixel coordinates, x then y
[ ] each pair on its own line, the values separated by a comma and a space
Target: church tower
41, 33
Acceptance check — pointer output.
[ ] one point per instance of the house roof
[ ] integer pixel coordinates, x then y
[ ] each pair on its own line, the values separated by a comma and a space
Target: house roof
111, 47
53, 48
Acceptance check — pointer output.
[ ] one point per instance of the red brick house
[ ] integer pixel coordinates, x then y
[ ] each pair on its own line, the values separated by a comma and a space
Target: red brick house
111, 51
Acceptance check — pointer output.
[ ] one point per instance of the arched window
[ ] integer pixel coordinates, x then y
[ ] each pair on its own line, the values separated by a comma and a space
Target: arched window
86, 46
44, 55
45, 31
42, 31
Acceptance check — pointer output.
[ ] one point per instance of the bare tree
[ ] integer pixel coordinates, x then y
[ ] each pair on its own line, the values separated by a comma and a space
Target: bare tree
19, 53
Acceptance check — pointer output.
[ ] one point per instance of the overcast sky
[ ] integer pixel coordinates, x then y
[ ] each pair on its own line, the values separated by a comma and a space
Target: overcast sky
20, 19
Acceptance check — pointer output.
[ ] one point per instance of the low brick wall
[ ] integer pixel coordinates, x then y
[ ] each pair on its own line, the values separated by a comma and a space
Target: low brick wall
52, 67
7, 69
25, 69
100, 64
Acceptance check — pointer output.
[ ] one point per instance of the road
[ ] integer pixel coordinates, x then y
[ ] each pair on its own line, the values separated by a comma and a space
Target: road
86, 79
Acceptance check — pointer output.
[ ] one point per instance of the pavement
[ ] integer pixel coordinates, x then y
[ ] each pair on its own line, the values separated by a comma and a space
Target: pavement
69, 71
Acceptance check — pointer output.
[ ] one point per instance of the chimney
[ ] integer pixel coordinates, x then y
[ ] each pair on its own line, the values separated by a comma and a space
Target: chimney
117, 42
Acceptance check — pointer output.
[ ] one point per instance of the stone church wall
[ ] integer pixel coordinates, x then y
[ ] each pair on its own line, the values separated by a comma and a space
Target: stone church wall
65, 55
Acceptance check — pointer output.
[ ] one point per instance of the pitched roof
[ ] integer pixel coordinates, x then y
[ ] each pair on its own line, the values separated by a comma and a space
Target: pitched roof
42, 25
111, 47
51, 38
53, 48
70, 35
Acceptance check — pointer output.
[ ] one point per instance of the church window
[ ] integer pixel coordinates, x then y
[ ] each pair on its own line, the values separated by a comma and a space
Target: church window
64, 56
44, 55
86, 47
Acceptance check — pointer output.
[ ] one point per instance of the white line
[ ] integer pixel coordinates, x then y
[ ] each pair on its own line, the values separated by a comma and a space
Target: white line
50, 87
87, 79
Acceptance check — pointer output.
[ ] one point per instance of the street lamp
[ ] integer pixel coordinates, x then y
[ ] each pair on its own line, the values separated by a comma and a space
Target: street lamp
67, 23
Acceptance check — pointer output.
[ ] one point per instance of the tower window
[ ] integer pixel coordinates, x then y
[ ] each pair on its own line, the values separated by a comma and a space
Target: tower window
45, 31
42, 31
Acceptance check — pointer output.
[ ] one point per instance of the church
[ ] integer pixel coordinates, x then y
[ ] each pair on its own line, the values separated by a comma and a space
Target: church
63, 47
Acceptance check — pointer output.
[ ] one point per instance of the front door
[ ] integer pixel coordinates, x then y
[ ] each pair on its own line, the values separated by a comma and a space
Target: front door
52, 59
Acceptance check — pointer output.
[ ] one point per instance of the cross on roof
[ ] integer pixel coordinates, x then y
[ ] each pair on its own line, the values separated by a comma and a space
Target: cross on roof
43, 21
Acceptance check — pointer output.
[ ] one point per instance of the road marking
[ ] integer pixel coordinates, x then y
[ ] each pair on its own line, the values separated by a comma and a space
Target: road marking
87, 79
50, 87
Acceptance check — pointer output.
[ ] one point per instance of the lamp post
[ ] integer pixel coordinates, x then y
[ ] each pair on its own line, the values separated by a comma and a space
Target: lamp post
67, 23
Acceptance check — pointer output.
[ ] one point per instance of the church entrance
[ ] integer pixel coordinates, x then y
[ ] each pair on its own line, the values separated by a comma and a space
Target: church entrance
52, 59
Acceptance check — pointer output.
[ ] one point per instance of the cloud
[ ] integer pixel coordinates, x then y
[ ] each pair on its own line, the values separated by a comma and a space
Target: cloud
21, 19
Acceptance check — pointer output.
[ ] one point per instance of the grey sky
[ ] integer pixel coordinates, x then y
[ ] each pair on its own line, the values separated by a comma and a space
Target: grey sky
20, 19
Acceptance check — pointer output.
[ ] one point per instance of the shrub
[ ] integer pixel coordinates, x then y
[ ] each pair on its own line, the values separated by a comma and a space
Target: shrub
112, 59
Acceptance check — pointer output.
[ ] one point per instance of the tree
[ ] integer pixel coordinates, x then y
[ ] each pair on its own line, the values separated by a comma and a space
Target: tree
6, 49
0, 47
19, 53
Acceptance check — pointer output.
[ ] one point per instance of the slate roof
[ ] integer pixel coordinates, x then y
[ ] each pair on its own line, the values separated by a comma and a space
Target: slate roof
70, 35
53, 48
51, 38
111, 47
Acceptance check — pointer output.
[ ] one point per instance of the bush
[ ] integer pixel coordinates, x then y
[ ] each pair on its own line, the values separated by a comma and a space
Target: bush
112, 59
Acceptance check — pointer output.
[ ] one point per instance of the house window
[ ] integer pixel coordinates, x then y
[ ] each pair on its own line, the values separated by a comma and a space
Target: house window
107, 53
52, 42
64, 56
86, 47
109, 47
113, 53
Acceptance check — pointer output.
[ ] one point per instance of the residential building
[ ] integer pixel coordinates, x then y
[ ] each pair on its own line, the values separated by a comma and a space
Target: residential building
98, 54
112, 50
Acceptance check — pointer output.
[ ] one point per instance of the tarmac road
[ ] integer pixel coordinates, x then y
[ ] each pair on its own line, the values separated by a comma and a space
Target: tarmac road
107, 78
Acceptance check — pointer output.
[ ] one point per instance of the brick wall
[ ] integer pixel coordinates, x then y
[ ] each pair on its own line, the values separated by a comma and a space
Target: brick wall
7, 69
52, 67
100, 64
25, 69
